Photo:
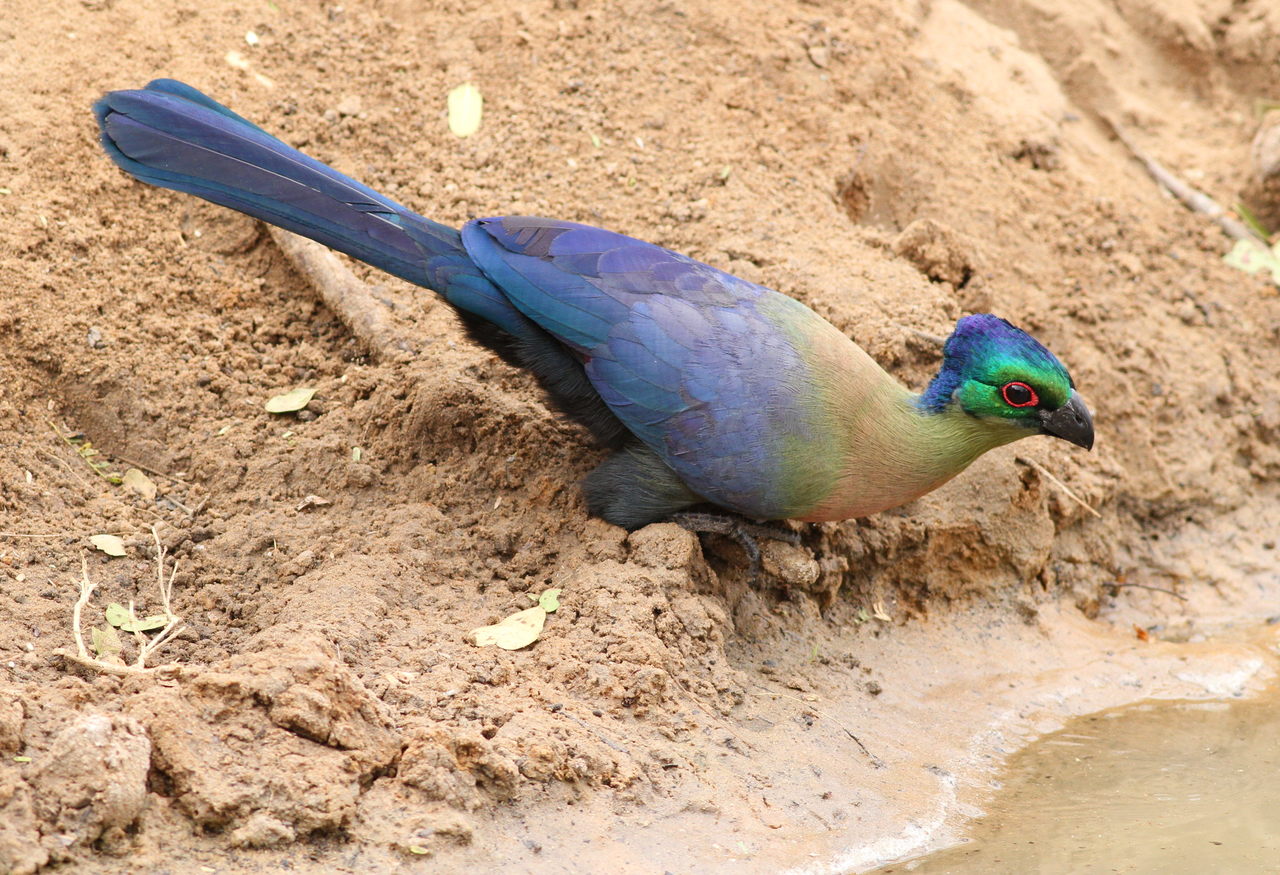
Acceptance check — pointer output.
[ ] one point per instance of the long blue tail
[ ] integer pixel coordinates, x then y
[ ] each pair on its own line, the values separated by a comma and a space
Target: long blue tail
171, 135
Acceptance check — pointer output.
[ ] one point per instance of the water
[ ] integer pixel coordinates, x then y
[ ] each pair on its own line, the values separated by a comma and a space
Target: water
1171, 787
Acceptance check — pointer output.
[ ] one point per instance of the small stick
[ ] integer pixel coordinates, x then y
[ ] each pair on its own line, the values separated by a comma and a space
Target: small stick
1152, 588
65, 464
86, 453
598, 734
924, 335
1195, 200
875, 760
120, 670
174, 625
737, 738
191, 514
1045, 471
151, 471
86, 590
351, 300
146, 647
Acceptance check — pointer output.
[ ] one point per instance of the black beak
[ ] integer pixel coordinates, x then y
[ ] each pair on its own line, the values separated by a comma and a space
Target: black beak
1072, 422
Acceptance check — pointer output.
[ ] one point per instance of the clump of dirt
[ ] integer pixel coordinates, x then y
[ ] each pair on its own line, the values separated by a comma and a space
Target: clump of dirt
90, 786
894, 166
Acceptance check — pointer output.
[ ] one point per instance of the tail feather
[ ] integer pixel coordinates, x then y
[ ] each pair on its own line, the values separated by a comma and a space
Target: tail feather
172, 136
186, 92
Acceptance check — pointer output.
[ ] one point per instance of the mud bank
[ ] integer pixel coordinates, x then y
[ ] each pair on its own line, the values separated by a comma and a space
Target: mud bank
893, 165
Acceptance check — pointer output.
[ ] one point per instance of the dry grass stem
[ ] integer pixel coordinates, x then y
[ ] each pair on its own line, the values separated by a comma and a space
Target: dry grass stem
147, 646
876, 762
86, 590
1055, 481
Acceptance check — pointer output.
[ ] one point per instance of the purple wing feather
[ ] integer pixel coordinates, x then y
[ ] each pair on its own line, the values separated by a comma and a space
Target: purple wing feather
684, 354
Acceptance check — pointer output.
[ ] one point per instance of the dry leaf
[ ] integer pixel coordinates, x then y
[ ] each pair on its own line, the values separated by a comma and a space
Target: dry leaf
290, 401
112, 545
519, 630
106, 642
139, 483
1253, 256
313, 501
465, 108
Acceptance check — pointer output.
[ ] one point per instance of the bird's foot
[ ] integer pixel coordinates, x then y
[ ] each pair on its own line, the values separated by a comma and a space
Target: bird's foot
743, 531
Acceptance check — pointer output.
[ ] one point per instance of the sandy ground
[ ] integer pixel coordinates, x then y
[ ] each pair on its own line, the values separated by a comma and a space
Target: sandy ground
894, 165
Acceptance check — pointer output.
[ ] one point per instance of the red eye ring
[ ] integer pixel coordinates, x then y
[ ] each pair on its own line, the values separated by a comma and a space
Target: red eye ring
1018, 394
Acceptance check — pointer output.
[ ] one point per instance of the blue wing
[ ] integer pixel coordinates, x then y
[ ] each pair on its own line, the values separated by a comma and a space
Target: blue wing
693, 361
686, 356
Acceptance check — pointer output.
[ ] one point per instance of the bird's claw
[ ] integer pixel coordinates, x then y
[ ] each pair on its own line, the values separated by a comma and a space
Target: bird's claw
743, 531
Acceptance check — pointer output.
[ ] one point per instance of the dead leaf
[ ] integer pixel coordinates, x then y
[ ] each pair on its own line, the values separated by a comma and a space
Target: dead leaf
117, 614
466, 105
519, 630
313, 501
106, 642
112, 545
139, 483
145, 624
291, 401
120, 617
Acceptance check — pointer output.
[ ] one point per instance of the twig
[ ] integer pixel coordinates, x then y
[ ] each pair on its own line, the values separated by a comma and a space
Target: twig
70, 536
1054, 480
350, 299
737, 738
179, 505
65, 464
924, 335
86, 451
875, 760
191, 512
174, 625
1152, 588
86, 590
1195, 200
151, 471
146, 646
564, 712
117, 669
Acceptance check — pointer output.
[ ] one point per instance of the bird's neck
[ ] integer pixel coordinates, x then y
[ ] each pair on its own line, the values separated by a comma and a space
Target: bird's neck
897, 449
880, 444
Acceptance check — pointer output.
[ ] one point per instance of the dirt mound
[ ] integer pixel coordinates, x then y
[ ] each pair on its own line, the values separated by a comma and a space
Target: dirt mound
892, 165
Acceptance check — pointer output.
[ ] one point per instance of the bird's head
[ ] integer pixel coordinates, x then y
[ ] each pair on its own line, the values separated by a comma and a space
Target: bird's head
1005, 377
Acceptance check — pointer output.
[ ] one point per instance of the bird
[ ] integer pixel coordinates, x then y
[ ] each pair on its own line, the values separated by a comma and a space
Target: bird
718, 399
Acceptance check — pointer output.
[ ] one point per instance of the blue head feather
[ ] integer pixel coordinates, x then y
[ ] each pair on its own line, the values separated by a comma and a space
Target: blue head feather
984, 347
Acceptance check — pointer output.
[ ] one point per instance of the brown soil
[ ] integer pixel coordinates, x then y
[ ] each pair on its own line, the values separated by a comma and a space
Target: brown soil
894, 165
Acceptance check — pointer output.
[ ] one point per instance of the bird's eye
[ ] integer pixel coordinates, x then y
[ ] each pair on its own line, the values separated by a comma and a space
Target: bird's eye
1019, 395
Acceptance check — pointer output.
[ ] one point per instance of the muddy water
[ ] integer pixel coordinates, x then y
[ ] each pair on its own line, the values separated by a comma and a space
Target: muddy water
1165, 787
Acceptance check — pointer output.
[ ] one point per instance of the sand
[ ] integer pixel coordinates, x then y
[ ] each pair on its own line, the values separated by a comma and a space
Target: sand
893, 165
